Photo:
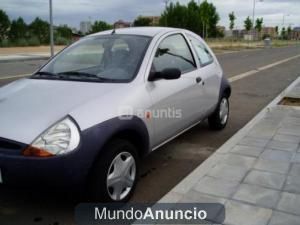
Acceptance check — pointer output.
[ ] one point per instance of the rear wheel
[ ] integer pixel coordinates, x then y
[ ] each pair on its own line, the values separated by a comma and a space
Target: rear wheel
115, 173
218, 120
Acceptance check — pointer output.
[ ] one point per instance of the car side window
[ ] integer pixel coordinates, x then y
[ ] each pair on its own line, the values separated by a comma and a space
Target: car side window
205, 58
174, 52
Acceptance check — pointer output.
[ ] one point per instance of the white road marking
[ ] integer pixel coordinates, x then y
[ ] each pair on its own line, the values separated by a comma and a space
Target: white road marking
251, 72
15, 76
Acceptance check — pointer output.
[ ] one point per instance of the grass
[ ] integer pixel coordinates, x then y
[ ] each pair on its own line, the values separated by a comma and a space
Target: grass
220, 45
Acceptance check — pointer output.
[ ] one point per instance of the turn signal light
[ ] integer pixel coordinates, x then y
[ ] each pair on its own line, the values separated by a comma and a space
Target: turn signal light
32, 151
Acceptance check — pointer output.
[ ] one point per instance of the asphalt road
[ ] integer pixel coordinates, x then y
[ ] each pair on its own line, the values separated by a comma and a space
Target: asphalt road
167, 166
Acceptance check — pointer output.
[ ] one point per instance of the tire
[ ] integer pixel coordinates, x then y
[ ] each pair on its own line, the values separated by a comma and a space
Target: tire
113, 166
218, 120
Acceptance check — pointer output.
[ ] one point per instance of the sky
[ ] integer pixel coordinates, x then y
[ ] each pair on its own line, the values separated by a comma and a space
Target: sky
71, 12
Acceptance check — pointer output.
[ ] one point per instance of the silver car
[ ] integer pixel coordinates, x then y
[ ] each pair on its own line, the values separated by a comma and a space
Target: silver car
84, 119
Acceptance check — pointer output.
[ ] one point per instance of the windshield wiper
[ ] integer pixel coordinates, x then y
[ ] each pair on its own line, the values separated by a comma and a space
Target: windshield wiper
78, 74
46, 74
84, 75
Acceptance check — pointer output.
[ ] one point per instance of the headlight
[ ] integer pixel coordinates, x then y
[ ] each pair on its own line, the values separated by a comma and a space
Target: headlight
59, 139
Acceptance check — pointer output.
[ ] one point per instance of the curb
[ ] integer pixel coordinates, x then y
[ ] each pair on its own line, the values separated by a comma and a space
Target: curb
190, 180
24, 59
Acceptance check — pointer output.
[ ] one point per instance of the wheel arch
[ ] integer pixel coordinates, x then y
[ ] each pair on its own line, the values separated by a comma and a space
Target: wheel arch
98, 136
225, 89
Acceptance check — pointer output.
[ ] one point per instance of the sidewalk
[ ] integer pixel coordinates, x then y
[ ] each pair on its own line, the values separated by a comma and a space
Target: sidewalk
256, 174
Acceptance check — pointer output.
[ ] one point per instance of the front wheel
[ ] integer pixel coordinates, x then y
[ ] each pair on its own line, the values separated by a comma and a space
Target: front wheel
218, 120
115, 173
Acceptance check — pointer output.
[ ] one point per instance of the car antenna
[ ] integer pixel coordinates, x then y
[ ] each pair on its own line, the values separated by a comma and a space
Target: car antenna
114, 30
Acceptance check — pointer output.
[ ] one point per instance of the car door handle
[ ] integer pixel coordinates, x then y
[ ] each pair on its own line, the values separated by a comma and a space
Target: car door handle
198, 80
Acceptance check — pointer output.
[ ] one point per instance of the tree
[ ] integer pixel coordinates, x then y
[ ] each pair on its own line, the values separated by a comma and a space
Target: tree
289, 32
283, 33
142, 22
248, 24
99, 26
210, 18
193, 17
259, 24
277, 30
202, 19
18, 29
174, 15
40, 29
64, 32
4, 24
232, 19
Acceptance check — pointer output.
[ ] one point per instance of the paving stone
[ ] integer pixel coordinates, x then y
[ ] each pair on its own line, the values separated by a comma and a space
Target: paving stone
289, 203
228, 172
272, 166
216, 187
239, 160
256, 195
284, 146
291, 121
295, 169
265, 179
243, 214
296, 158
292, 130
280, 218
287, 138
247, 150
194, 196
282, 156
266, 131
292, 184
255, 142
295, 113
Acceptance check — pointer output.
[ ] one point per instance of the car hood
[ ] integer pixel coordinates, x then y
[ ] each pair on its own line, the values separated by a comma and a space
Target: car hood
30, 106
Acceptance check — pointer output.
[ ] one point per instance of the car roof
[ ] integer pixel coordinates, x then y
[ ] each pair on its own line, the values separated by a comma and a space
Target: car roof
145, 31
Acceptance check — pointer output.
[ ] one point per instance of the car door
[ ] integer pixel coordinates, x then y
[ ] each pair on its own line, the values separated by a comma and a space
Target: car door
209, 72
175, 102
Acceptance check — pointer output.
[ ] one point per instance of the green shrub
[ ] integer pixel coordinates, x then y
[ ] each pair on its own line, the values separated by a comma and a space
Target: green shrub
61, 41
33, 41
5, 43
21, 42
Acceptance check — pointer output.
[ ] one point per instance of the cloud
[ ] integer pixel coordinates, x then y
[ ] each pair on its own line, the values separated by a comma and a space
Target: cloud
73, 11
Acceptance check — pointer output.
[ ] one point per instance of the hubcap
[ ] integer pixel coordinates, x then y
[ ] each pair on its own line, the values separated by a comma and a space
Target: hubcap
224, 110
121, 176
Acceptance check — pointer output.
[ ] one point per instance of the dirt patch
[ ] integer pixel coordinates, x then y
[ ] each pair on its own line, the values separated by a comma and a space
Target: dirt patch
26, 50
290, 101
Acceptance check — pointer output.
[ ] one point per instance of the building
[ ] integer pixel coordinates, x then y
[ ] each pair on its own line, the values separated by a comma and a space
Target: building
238, 33
269, 31
122, 24
296, 33
154, 20
76, 36
228, 33
85, 26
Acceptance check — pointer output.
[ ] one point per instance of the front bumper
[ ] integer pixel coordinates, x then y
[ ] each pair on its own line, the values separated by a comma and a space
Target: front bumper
64, 171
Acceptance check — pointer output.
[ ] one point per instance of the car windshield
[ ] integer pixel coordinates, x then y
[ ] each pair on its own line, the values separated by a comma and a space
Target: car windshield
109, 58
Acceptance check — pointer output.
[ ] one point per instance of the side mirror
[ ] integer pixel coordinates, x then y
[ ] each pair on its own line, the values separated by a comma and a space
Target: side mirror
167, 74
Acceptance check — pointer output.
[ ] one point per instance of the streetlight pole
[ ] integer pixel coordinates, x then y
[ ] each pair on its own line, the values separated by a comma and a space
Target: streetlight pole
253, 15
283, 19
51, 29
